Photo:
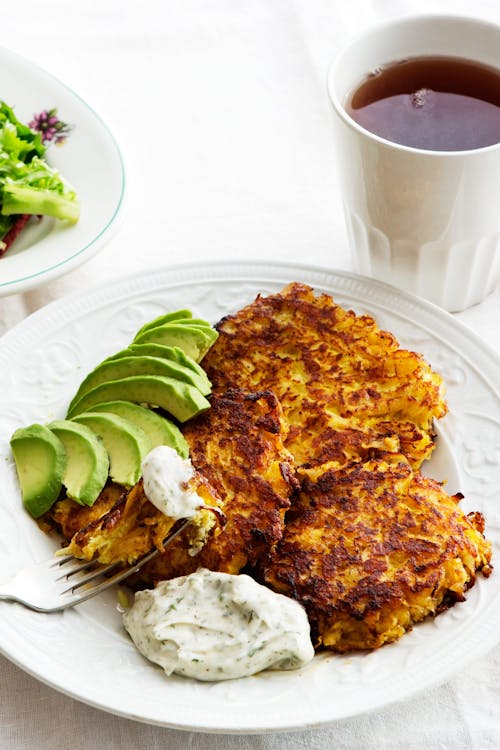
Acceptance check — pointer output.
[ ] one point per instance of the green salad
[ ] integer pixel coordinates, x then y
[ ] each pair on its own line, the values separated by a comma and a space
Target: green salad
29, 186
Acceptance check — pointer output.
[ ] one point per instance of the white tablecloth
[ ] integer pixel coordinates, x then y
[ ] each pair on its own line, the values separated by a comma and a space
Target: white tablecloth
220, 109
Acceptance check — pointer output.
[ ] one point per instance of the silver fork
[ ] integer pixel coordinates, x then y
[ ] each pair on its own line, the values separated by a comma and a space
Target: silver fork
63, 582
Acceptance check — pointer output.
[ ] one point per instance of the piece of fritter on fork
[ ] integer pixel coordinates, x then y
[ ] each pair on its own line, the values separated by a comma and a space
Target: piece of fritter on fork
345, 386
371, 549
132, 526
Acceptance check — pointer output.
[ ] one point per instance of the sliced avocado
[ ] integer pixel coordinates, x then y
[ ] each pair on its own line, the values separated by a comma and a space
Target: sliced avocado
87, 466
172, 353
160, 430
195, 322
40, 462
212, 336
179, 399
194, 341
166, 318
126, 366
125, 443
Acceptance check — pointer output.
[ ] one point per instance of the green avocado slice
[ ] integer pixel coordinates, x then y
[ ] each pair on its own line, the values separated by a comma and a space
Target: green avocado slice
126, 366
179, 399
160, 430
194, 322
40, 463
193, 340
171, 353
125, 444
87, 466
166, 318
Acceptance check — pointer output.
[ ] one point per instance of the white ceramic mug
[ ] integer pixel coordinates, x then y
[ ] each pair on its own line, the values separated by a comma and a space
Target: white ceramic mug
425, 221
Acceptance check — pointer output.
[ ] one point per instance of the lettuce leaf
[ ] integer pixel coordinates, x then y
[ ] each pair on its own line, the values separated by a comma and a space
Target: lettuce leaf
28, 185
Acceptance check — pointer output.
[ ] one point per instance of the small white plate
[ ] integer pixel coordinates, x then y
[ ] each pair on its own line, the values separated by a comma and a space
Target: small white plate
86, 653
90, 160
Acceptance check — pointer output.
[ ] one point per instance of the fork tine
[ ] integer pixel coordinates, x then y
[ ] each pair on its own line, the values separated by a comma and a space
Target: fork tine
59, 560
120, 575
100, 571
78, 567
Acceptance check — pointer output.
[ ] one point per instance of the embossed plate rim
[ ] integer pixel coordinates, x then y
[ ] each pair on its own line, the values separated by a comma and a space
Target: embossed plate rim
332, 687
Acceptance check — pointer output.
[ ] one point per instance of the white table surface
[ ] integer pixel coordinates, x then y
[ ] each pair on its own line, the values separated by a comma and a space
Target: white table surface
242, 166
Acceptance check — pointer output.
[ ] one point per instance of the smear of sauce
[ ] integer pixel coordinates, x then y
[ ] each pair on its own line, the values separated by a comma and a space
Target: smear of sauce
166, 483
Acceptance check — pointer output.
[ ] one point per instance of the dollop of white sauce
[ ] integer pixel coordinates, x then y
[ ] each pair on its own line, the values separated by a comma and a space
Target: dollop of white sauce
217, 626
166, 483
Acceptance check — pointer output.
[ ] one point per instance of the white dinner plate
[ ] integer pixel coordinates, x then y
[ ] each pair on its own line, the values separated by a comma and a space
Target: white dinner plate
89, 159
86, 653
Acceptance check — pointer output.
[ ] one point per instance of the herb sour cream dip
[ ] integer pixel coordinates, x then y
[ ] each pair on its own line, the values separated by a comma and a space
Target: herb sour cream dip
166, 483
216, 626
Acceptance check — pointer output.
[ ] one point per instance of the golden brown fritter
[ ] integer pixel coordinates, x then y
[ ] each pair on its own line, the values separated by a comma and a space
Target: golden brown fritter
373, 548
237, 446
345, 386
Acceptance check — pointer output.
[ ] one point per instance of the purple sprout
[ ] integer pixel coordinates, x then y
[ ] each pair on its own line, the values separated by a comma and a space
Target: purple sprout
51, 128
